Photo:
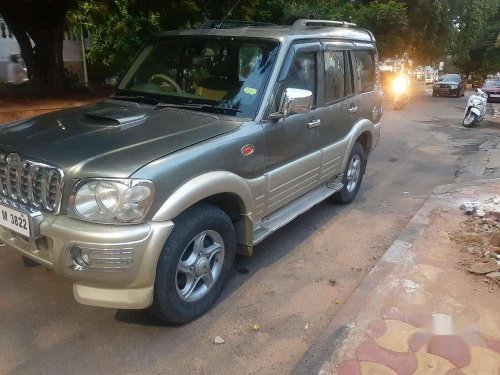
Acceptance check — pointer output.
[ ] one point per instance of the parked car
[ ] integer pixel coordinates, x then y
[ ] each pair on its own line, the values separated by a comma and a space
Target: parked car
17, 73
449, 85
213, 140
492, 88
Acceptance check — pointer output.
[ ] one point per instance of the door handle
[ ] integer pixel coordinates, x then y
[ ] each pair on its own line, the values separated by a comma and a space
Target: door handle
353, 109
314, 124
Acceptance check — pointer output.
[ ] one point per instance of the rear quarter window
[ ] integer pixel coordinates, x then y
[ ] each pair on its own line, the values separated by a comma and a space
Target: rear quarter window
365, 70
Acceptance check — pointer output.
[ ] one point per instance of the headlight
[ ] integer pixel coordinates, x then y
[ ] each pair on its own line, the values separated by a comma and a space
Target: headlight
112, 201
453, 86
399, 85
476, 101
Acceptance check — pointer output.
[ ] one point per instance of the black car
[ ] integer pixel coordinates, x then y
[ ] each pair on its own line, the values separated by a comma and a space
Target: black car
449, 85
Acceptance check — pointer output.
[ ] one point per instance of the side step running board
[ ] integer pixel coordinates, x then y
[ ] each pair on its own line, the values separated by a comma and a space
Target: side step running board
272, 222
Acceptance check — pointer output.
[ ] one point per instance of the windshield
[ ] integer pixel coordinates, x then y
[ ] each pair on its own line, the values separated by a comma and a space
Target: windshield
218, 74
492, 83
452, 78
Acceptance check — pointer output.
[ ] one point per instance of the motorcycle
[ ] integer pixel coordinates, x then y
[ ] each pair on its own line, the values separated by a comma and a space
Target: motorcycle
476, 109
400, 92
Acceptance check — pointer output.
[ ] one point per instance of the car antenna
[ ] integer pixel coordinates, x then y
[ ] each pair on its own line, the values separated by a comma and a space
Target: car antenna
228, 14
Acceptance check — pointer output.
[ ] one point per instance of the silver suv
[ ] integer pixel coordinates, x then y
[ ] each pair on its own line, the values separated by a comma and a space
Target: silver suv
213, 140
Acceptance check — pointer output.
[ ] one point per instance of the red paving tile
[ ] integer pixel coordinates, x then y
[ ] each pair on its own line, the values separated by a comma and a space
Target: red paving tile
402, 363
493, 344
418, 340
376, 329
450, 347
349, 368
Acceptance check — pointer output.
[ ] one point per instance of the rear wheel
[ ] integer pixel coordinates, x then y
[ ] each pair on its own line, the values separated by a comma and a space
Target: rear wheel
353, 175
194, 264
434, 93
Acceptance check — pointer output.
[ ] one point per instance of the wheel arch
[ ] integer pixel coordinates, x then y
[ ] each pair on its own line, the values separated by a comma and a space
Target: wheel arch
225, 190
362, 132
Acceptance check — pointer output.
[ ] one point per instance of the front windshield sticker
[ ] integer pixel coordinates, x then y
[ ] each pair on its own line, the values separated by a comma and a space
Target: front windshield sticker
250, 91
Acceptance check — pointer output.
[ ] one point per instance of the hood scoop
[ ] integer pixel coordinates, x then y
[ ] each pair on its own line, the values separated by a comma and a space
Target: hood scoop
115, 116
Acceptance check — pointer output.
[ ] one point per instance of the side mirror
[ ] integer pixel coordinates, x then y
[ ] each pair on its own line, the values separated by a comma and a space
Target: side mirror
293, 101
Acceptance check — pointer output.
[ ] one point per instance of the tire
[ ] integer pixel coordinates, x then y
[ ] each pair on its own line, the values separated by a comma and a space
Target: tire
471, 120
434, 93
458, 95
200, 220
349, 192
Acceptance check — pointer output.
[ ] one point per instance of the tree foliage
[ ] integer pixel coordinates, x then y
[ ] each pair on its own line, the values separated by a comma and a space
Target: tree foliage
427, 30
485, 51
389, 22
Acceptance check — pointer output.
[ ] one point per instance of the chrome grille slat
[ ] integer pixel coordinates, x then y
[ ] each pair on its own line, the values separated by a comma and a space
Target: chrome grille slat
35, 184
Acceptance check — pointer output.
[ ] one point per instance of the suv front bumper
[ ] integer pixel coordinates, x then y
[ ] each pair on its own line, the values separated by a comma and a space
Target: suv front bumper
122, 258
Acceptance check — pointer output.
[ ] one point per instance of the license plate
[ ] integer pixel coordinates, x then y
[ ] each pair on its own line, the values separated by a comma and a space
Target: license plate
445, 90
495, 95
15, 220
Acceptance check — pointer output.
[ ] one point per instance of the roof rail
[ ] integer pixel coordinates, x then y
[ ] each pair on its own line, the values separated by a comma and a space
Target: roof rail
304, 24
230, 24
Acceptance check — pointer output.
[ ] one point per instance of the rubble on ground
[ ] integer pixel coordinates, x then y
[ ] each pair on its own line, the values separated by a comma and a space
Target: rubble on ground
481, 238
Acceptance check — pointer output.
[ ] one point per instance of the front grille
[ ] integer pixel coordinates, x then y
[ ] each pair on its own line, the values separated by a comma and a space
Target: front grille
35, 184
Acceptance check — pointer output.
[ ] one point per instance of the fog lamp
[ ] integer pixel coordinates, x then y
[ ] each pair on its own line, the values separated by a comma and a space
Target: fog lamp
79, 258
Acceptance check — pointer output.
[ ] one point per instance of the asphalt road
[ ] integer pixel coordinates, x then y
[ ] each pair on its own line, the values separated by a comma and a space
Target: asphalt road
291, 287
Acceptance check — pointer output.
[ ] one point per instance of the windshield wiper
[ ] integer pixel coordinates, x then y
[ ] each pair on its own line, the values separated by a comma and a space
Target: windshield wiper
196, 106
136, 98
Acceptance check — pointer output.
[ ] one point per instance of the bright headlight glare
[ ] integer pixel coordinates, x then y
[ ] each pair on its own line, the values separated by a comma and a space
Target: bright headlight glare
399, 85
110, 201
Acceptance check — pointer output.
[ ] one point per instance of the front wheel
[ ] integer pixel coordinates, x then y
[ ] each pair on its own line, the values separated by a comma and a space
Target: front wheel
353, 175
194, 264
470, 120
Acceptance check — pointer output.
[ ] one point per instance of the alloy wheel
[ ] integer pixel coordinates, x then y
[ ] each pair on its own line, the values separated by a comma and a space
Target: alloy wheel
200, 266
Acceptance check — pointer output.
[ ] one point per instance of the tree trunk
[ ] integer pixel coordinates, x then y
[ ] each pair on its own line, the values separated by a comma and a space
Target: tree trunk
41, 22
48, 56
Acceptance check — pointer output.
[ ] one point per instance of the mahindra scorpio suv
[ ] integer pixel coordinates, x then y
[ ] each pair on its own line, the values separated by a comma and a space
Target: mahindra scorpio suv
213, 140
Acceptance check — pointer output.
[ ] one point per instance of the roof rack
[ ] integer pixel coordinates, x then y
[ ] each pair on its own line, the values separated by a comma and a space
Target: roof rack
230, 24
304, 24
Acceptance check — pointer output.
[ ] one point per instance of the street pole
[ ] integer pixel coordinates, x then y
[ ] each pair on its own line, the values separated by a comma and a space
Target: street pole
84, 60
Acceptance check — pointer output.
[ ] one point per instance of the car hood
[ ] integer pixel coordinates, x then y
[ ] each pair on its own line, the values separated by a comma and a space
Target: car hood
110, 138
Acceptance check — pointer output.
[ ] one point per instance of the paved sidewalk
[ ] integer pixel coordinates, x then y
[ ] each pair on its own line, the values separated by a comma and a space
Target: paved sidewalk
419, 311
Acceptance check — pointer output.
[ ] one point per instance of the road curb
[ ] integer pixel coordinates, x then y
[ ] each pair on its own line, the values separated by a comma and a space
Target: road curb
318, 358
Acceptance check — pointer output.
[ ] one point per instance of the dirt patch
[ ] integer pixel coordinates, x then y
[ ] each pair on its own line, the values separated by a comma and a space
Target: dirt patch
20, 107
479, 241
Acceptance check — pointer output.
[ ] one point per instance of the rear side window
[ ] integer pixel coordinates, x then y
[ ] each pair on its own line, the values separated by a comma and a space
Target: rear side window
365, 69
338, 76
335, 71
